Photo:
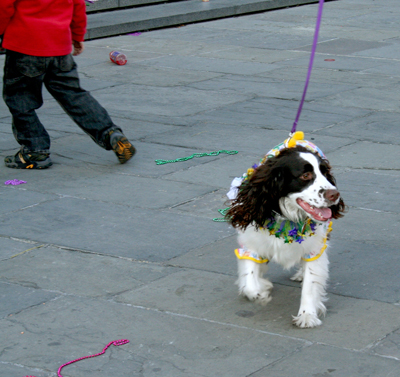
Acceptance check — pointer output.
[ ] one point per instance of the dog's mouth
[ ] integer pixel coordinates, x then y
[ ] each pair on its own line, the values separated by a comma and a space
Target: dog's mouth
319, 214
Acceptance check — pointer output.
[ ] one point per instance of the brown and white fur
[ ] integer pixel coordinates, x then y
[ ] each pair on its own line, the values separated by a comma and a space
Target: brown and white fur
295, 185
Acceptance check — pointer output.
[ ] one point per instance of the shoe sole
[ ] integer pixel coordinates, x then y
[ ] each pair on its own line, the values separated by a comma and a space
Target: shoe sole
124, 150
28, 165
32, 165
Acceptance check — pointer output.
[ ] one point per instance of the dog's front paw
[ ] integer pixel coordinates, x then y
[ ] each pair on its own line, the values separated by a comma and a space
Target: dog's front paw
306, 320
260, 295
262, 298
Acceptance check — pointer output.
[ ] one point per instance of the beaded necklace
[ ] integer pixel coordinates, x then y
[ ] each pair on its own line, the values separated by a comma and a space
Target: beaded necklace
290, 231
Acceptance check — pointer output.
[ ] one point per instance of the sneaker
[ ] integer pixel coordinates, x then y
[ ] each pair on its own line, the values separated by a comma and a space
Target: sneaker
121, 146
28, 161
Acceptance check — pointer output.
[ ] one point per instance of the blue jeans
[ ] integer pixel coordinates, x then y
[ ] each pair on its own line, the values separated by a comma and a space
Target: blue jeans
24, 76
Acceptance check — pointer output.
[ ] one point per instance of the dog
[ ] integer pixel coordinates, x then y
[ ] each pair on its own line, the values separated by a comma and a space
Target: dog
282, 209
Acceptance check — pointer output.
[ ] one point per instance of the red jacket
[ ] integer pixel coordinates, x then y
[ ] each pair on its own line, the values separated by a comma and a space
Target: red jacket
42, 27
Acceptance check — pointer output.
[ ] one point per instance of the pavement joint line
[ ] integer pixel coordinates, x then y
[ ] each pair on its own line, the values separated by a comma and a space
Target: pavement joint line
60, 293
373, 169
23, 252
67, 248
19, 239
305, 341
25, 309
377, 341
373, 210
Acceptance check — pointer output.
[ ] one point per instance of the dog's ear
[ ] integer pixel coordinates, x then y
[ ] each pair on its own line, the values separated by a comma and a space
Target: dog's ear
339, 209
326, 170
258, 197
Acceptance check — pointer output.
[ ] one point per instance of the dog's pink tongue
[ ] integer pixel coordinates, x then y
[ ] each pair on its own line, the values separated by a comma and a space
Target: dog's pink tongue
320, 214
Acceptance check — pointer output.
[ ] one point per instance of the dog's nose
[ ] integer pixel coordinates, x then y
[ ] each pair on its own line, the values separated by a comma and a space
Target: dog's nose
332, 195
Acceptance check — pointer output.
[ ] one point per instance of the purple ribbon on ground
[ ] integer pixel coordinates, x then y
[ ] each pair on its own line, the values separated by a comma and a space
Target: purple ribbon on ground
14, 182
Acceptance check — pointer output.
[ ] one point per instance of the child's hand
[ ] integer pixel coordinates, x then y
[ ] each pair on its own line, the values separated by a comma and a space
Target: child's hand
78, 47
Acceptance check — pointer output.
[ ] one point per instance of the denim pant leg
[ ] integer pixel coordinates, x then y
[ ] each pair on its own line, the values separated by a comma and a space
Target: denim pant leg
22, 93
62, 82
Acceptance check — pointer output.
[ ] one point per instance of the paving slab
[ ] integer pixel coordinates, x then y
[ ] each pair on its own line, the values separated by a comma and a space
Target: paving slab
389, 346
158, 100
243, 38
376, 127
329, 361
369, 189
276, 113
88, 185
148, 75
343, 46
214, 297
10, 247
16, 298
377, 99
262, 87
331, 72
345, 63
346, 259
16, 198
104, 232
216, 137
357, 223
178, 350
368, 155
66, 272
216, 257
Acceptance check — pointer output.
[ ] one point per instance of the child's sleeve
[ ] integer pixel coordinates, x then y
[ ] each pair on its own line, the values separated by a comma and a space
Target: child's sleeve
78, 23
6, 12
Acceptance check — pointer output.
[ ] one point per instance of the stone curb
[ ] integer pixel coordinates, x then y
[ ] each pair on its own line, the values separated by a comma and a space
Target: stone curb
107, 24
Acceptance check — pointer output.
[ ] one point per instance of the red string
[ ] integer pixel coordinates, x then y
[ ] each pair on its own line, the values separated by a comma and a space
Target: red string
119, 342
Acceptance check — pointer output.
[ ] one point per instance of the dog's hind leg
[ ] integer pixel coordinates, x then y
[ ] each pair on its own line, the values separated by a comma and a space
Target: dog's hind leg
251, 282
313, 292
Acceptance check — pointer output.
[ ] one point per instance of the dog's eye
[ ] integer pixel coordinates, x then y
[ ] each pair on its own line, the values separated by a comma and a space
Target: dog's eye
306, 176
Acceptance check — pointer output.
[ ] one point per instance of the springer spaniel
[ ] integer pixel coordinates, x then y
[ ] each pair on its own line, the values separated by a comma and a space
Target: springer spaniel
282, 209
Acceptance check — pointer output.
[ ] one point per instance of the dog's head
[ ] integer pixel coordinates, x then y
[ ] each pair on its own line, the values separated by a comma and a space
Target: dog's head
296, 184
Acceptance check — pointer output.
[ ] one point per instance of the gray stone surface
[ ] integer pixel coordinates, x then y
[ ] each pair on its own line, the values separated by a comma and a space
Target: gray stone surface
93, 251
97, 226
70, 271
17, 298
327, 361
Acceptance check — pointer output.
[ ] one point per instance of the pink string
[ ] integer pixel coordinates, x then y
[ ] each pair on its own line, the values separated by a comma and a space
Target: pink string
314, 47
115, 343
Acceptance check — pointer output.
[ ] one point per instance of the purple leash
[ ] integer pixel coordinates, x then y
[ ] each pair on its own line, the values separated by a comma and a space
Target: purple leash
314, 47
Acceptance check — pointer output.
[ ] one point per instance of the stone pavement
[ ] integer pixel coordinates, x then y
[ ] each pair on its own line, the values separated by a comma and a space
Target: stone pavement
93, 251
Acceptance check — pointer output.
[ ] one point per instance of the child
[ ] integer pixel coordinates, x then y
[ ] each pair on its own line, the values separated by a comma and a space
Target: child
38, 37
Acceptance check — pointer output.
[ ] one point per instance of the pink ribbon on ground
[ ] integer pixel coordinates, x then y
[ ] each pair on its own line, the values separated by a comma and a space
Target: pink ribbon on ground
119, 342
